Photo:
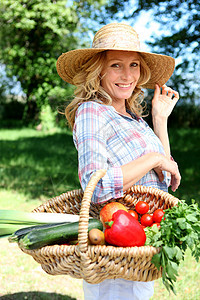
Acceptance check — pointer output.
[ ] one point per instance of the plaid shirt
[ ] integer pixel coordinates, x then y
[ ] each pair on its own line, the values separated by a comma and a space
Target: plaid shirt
106, 139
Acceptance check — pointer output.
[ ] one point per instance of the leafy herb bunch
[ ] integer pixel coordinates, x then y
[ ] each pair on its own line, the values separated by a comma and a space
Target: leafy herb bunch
180, 229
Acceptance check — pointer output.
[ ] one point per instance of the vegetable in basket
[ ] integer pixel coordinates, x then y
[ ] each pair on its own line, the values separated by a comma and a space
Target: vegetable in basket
51, 234
108, 210
124, 231
20, 217
12, 220
96, 237
179, 230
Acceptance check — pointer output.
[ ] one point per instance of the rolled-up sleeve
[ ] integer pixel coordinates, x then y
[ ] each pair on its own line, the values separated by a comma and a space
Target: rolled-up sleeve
90, 138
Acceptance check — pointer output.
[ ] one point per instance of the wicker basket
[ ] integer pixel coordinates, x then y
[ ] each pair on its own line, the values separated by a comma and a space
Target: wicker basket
97, 263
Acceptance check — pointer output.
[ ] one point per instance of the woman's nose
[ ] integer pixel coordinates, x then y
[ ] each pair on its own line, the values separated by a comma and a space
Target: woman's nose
126, 73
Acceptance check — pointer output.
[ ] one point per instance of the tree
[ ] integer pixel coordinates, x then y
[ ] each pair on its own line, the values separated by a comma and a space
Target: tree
179, 36
33, 33
181, 21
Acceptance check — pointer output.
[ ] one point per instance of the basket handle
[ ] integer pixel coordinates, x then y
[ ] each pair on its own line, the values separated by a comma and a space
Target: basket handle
85, 207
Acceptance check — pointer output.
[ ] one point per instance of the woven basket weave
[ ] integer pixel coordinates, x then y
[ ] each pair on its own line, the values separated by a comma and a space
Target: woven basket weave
97, 263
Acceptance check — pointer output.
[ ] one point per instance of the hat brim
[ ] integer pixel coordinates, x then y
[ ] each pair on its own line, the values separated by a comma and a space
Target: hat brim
161, 66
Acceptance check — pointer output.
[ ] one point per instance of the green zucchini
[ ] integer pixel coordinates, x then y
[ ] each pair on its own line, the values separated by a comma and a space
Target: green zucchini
18, 234
58, 234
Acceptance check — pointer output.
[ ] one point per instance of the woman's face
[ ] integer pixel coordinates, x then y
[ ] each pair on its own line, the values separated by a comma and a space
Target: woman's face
120, 74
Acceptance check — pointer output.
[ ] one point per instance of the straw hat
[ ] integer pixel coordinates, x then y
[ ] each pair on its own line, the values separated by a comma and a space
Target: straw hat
116, 36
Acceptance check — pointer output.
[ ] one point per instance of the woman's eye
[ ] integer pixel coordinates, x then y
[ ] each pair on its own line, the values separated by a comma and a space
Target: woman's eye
115, 65
134, 64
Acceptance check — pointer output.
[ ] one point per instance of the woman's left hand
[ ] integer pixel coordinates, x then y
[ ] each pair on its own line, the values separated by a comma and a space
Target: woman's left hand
163, 101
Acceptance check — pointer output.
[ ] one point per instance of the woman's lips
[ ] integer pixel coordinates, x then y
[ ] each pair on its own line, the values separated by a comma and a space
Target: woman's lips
122, 85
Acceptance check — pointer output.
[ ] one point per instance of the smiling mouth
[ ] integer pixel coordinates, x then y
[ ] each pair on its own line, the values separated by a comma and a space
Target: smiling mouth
123, 85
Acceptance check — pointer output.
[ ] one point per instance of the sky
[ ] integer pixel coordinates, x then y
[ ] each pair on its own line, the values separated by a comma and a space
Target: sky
140, 25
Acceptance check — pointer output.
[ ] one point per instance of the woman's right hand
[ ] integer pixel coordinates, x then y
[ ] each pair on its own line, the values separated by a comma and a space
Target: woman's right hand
170, 166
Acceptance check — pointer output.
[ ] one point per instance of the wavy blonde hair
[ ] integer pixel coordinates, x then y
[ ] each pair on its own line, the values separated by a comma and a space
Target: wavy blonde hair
88, 87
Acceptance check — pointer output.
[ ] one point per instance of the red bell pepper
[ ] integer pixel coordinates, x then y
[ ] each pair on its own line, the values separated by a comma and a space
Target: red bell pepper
124, 230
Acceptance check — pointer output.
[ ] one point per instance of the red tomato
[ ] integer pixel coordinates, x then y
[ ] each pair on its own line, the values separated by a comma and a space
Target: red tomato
158, 215
146, 220
133, 213
142, 207
157, 224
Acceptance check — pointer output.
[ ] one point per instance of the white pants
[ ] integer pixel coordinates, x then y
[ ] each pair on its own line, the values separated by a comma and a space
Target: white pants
118, 289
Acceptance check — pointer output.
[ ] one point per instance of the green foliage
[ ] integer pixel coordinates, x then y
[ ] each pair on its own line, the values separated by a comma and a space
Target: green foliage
33, 33
184, 28
185, 116
47, 117
180, 229
181, 39
113, 9
186, 152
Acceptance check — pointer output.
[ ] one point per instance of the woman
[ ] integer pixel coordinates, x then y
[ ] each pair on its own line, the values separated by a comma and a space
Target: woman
109, 131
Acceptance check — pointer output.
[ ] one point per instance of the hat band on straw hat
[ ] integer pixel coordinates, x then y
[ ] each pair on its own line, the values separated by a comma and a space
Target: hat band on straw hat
116, 36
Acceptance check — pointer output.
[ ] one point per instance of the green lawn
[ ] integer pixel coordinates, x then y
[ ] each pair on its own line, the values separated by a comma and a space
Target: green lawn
35, 166
41, 165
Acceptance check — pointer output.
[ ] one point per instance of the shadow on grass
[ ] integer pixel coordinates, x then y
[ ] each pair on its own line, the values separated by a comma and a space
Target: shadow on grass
35, 296
40, 165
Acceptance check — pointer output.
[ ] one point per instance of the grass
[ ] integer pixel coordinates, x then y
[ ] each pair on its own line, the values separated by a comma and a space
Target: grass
41, 165
35, 166
22, 278
187, 285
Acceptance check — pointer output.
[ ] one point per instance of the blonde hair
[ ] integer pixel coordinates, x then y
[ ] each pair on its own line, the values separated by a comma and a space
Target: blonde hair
88, 87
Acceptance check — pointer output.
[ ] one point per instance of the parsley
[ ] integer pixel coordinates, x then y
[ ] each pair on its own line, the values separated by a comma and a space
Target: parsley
180, 229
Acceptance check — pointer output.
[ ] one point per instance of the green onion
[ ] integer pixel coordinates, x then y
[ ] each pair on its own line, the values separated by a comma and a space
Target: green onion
19, 217
13, 220
7, 229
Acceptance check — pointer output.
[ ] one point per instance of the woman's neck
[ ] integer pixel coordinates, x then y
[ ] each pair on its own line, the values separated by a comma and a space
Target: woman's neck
120, 106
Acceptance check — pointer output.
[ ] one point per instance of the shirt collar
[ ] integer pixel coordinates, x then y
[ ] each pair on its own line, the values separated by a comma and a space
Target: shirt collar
132, 115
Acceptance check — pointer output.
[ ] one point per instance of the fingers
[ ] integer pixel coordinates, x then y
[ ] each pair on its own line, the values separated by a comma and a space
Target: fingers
156, 91
175, 178
175, 182
171, 167
176, 96
169, 92
160, 174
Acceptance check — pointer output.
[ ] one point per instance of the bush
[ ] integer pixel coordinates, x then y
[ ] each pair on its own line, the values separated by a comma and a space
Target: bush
185, 116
